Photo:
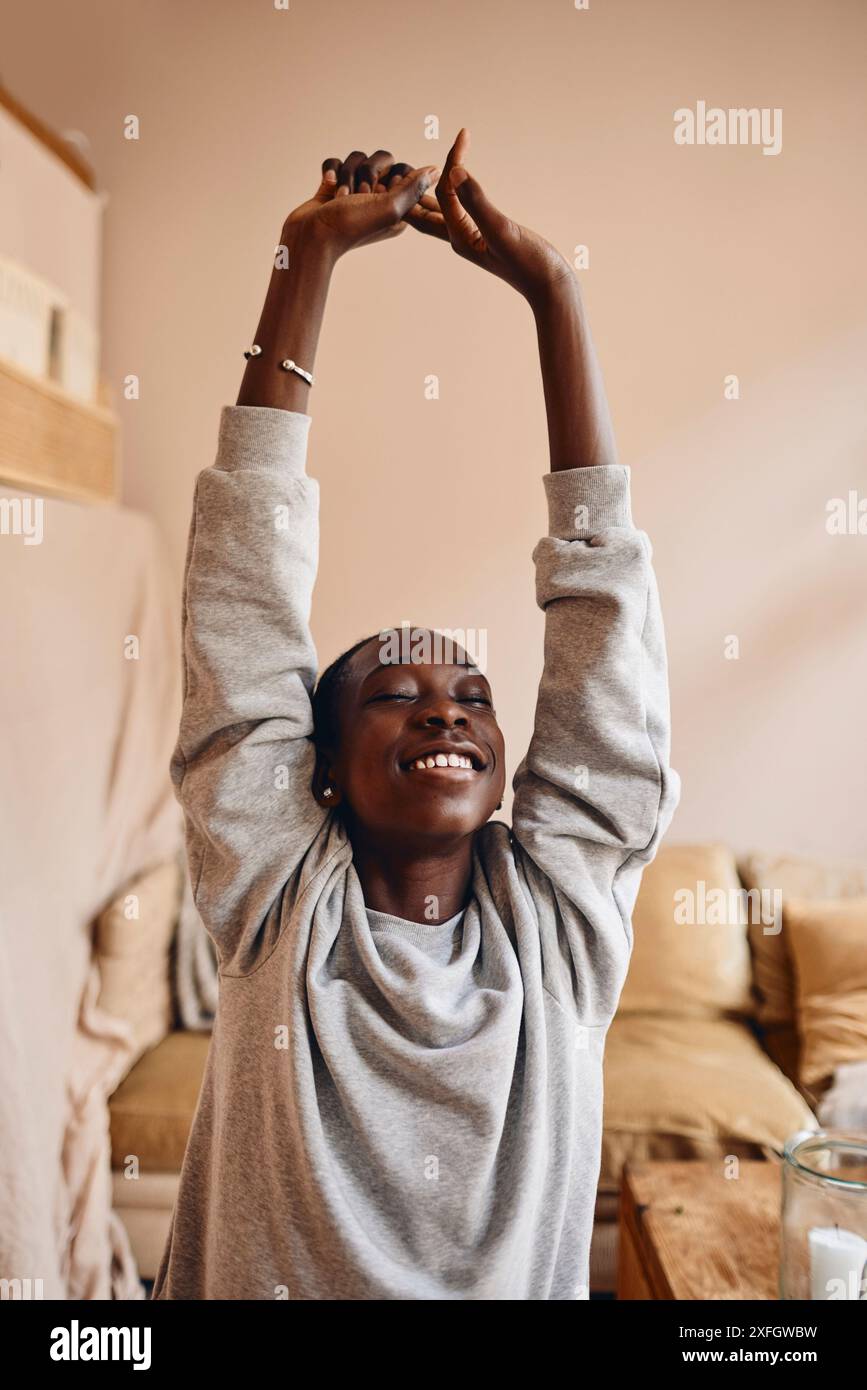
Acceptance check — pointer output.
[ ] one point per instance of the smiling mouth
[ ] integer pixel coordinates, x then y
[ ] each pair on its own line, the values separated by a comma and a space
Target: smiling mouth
446, 763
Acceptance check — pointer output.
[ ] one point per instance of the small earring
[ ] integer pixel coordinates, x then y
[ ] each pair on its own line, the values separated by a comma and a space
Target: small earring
499, 804
328, 792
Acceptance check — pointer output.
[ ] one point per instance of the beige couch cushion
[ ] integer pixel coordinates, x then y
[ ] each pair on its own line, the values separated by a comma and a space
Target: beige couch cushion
691, 1088
795, 877
698, 969
773, 974
132, 940
152, 1110
828, 945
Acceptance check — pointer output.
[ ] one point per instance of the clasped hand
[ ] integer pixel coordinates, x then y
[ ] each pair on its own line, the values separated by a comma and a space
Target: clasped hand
368, 198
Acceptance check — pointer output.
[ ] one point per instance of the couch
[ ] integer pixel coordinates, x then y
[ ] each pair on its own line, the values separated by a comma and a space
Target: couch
703, 1059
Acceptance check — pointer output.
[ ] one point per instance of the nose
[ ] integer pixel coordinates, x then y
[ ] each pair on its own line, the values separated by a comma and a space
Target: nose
444, 713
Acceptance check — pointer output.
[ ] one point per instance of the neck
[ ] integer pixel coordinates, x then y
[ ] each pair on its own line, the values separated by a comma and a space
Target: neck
418, 883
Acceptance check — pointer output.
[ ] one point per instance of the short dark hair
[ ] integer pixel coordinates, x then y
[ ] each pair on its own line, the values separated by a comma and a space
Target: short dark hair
326, 697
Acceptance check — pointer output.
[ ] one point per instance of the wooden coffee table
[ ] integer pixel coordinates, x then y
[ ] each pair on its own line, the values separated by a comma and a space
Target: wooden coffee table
689, 1232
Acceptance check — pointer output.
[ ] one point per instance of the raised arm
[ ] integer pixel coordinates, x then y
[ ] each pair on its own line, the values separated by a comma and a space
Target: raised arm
580, 432
243, 763
595, 792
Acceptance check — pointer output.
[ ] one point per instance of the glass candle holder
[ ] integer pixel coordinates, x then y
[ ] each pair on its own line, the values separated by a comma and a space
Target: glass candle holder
823, 1234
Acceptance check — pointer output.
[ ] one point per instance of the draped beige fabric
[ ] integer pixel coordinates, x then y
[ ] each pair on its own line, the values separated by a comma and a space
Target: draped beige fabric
89, 702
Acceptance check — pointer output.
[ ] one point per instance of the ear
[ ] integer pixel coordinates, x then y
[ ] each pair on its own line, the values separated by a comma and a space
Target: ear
323, 781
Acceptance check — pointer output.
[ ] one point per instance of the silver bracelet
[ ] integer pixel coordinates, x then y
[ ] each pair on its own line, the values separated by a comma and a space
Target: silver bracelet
290, 366
287, 364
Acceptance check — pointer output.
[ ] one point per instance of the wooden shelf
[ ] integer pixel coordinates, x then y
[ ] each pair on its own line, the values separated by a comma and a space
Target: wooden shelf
58, 146
51, 442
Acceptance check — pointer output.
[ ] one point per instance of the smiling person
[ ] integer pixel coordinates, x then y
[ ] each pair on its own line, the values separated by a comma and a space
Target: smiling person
403, 1092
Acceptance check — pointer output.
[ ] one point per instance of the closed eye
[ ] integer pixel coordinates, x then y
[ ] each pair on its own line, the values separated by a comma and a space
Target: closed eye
411, 695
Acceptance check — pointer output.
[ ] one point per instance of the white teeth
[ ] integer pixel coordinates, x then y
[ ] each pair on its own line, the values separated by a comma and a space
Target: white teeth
443, 760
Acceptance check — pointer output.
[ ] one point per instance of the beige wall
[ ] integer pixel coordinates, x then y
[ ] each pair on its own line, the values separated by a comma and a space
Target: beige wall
704, 261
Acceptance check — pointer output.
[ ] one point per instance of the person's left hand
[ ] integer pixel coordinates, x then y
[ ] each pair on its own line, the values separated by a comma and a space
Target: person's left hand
462, 214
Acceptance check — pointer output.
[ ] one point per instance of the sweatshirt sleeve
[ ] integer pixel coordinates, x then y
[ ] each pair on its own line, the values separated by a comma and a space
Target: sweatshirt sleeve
243, 762
595, 792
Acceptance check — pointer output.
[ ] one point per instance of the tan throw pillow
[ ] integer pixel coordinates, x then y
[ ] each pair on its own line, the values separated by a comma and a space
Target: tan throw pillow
828, 943
690, 955
133, 938
793, 877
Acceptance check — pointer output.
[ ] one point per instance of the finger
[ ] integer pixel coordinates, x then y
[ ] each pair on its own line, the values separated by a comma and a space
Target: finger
328, 183
405, 193
424, 220
372, 169
346, 172
463, 232
456, 155
492, 223
397, 171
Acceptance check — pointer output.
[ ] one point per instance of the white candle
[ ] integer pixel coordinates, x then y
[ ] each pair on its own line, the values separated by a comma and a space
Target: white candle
837, 1261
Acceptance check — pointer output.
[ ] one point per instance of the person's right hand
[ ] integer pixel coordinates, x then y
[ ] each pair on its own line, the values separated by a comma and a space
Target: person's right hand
360, 199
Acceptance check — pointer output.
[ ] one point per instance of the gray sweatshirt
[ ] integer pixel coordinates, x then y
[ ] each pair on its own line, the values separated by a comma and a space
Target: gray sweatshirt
394, 1109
